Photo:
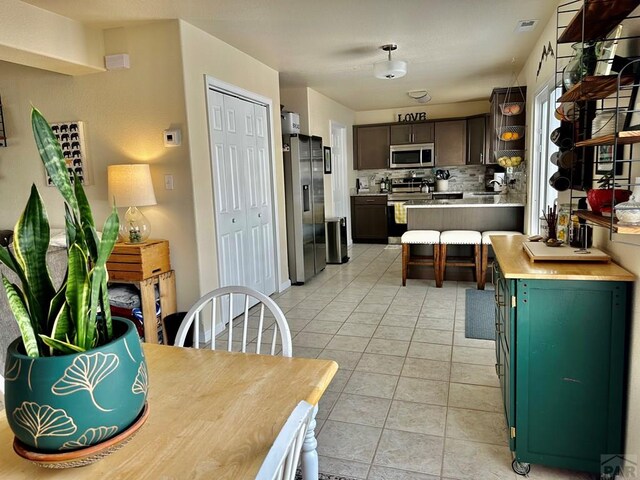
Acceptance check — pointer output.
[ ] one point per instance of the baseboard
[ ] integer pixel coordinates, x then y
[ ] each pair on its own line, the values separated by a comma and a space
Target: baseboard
284, 285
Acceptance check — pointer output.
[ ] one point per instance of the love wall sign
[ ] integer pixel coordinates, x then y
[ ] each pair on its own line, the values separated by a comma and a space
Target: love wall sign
412, 117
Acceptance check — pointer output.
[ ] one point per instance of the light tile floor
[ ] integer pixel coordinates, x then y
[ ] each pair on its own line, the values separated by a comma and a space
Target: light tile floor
413, 398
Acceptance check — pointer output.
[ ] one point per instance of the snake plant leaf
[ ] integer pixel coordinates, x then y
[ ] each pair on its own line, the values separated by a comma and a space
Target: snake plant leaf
77, 295
19, 309
60, 325
86, 217
70, 226
64, 348
30, 244
99, 271
52, 157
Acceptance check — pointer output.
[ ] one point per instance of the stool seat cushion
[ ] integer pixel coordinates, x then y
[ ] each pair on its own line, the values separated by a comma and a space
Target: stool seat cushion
487, 241
460, 237
425, 237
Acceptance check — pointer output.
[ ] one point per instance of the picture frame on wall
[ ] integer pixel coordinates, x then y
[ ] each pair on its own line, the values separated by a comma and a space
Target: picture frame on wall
71, 137
327, 160
604, 160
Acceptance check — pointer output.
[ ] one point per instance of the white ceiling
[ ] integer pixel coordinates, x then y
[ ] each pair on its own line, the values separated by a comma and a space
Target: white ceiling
458, 50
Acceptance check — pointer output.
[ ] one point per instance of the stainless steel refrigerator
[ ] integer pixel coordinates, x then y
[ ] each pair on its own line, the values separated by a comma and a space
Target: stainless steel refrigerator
304, 199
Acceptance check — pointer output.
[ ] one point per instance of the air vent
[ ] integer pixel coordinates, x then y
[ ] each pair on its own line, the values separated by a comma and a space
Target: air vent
526, 25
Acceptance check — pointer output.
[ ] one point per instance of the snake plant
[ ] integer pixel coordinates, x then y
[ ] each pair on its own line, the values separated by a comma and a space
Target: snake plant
76, 316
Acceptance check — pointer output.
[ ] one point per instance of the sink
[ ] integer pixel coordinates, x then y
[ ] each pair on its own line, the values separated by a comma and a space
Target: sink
484, 194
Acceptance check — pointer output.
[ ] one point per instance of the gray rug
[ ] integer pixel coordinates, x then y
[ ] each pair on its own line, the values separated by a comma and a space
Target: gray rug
324, 476
479, 320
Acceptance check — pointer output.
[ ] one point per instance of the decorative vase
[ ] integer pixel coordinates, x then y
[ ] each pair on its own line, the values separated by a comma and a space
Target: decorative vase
628, 213
70, 402
599, 198
580, 65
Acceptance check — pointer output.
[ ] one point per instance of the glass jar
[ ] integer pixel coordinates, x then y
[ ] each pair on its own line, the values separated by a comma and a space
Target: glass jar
580, 64
628, 213
562, 229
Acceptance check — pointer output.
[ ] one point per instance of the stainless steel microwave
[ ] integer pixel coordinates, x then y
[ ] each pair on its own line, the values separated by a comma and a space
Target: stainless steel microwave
412, 156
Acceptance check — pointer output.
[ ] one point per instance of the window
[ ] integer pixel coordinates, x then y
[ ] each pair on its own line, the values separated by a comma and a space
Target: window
542, 194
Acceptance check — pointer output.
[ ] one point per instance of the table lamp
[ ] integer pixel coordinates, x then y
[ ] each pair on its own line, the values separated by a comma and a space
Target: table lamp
131, 186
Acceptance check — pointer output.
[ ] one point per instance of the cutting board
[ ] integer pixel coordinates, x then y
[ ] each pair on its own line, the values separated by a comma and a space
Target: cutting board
538, 251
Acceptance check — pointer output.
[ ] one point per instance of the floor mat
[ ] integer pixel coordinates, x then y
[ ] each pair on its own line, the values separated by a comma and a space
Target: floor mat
324, 476
479, 320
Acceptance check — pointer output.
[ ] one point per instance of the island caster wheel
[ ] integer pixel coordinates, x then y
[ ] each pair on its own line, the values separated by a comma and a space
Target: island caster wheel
521, 468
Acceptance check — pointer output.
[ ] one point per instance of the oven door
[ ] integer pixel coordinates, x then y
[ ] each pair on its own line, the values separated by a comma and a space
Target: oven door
402, 157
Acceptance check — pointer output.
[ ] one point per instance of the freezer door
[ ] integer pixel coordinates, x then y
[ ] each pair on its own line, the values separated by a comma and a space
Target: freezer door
317, 160
306, 185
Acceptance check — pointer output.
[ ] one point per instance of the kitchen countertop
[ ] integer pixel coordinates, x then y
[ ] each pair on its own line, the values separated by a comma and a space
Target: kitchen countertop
470, 201
514, 263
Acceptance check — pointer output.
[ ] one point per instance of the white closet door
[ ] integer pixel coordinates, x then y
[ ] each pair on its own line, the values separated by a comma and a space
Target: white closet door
229, 189
243, 192
261, 209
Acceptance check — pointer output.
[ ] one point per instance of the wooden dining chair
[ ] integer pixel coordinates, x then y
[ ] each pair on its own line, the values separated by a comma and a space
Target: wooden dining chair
261, 321
282, 460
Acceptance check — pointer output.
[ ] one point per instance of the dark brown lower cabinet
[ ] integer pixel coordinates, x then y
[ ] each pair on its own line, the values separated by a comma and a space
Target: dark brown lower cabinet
369, 218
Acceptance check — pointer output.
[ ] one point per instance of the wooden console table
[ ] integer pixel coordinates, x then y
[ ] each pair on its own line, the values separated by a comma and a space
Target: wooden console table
146, 265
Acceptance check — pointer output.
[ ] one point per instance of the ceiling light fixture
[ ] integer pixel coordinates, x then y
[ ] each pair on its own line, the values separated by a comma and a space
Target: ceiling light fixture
390, 69
421, 96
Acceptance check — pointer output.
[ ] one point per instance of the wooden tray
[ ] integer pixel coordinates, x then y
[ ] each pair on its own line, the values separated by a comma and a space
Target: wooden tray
538, 251
83, 456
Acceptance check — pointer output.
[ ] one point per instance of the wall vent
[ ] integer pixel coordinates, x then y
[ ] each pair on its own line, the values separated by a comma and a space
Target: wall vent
526, 25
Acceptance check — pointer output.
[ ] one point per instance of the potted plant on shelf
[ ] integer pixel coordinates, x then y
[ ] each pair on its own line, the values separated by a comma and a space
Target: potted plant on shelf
76, 377
606, 195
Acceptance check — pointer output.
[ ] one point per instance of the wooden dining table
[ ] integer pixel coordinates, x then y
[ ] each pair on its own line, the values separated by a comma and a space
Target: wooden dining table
213, 415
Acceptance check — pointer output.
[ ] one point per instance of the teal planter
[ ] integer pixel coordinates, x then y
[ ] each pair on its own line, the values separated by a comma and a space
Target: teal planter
71, 402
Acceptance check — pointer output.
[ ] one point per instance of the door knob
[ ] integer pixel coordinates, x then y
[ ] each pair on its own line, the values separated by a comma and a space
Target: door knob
233, 220
259, 215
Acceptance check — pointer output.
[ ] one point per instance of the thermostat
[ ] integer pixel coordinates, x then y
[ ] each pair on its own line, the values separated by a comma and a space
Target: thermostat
172, 138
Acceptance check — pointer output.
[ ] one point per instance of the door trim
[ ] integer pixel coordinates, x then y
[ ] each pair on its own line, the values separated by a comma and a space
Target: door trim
212, 83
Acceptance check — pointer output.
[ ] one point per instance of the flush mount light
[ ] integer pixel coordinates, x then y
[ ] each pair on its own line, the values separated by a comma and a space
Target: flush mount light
390, 69
421, 96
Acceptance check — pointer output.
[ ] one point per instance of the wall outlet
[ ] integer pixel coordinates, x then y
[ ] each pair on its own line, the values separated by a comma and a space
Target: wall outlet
168, 182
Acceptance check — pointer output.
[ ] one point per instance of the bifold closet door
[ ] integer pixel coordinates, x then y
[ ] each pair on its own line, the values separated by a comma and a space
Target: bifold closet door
242, 192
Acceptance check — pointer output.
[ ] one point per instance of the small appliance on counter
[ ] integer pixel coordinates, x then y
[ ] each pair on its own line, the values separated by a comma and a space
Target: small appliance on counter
362, 185
290, 123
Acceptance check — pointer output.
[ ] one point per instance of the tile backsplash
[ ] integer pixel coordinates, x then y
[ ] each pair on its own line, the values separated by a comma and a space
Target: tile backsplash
468, 178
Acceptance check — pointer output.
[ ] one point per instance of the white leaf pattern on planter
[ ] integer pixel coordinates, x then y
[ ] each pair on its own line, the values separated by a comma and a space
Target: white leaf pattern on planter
13, 372
85, 373
141, 383
43, 421
92, 436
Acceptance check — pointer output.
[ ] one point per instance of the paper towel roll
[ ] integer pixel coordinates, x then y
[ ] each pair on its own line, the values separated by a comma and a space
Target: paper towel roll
499, 184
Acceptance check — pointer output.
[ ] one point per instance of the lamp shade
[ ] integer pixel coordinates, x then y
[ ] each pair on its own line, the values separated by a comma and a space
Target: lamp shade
390, 69
130, 185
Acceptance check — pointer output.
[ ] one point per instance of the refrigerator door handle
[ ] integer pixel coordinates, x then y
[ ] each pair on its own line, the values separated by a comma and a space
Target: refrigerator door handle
306, 198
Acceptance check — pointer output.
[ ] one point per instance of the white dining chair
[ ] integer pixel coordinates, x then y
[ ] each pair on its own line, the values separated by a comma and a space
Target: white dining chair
282, 460
251, 328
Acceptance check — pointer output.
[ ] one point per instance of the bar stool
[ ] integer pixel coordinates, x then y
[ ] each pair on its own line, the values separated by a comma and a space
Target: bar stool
486, 241
461, 237
420, 237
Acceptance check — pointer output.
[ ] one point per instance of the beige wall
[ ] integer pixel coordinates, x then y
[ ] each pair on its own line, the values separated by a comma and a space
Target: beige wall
626, 255
323, 110
296, 99
317, 111
203, 55
38, 38
447, 110
125, 113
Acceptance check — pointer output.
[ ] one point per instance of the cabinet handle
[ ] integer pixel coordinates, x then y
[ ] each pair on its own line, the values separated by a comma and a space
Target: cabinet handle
498, 372
370, 201
233, 220
259, 215
498, 331
482, 158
